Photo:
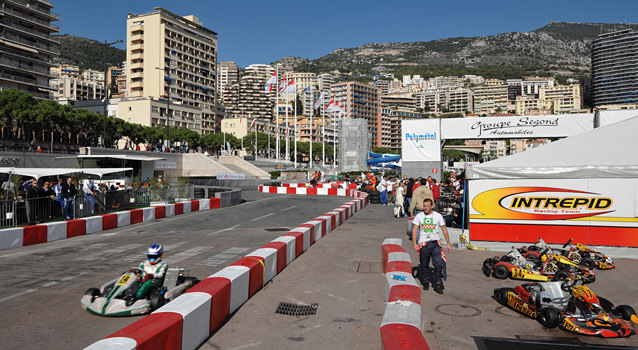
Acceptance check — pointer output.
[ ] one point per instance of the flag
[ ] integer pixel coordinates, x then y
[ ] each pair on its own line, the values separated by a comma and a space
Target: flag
291, 86
308, 89
319, 100
272, 81
252, 124
282, 86
330, 105
287, 130
220, 120
240, 119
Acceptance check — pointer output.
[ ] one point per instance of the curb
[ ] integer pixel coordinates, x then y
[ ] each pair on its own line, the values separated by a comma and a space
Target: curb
53, 231
401, 325
191, 318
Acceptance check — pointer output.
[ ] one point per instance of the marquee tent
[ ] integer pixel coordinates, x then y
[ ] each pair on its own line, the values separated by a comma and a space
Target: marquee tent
41, 172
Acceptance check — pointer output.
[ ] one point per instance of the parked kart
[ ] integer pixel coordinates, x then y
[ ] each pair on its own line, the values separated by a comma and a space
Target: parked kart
574, 308
547, 266
580, 254
117, 297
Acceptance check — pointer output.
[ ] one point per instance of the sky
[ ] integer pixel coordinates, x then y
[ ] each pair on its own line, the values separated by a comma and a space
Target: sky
252, 31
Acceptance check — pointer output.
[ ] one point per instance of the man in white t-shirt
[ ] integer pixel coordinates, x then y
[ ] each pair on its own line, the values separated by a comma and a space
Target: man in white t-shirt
426, 233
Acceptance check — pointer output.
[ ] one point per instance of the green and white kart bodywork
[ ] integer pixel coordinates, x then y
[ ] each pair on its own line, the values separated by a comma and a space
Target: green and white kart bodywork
114, 298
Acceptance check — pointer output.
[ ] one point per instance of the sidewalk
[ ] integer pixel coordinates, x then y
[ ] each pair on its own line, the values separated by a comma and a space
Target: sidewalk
342, 273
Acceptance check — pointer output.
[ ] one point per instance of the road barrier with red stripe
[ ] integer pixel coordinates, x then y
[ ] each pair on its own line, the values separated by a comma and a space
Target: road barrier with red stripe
53, 231
401, 325
190, 319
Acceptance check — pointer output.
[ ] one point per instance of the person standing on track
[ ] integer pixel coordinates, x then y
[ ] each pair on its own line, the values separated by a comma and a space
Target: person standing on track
418, 195
426, 233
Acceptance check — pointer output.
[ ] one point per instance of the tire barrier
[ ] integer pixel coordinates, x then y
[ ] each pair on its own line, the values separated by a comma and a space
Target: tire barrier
401, 325
53, 231
191, 318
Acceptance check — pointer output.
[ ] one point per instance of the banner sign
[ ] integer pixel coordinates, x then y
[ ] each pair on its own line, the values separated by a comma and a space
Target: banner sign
421, 140
231, 176
528, 127
165, 165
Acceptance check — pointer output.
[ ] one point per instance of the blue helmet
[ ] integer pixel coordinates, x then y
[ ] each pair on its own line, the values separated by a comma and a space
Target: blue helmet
154, 253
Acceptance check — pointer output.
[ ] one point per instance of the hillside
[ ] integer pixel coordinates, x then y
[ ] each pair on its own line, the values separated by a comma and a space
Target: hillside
87, 53
558, 48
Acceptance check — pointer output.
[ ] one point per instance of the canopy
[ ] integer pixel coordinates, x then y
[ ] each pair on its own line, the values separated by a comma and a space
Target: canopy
41, 172
112, 156
607, 152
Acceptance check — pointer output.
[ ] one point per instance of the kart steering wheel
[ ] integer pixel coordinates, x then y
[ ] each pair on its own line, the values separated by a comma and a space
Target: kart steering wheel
568, 284
568, 242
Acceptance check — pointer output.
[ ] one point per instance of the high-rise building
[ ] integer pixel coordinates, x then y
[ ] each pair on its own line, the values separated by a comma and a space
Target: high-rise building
227, 74
27, 48
323, 83
561, 99
66, 71
93, 75
173, 57
247, 98
532, 85
70, 90
360, 100
490, 99
262, 70
614, 68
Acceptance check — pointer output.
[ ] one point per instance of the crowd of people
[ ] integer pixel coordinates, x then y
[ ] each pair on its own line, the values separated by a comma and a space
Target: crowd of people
161, 146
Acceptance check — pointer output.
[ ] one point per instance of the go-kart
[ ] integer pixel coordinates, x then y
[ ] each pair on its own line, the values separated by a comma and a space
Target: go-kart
118, 297
546, 266
580, 254
571, 307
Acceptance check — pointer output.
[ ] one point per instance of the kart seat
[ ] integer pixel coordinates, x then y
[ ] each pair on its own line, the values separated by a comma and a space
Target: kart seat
170, 277
560, 298
524, 294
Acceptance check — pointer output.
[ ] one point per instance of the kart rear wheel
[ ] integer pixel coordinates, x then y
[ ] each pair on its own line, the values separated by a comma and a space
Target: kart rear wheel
157, 300
561, 275
625, 311
501, 295
93, 292
501, 272
548, 317
588, 263
606, 304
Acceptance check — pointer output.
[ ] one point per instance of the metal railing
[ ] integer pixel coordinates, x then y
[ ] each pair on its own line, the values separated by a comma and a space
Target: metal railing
31, 211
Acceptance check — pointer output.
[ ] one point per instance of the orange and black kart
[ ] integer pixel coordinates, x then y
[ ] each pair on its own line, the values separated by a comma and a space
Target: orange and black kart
580, 254
544, 267
571, 307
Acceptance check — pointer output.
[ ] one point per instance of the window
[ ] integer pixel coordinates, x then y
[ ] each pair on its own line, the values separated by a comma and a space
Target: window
130, 109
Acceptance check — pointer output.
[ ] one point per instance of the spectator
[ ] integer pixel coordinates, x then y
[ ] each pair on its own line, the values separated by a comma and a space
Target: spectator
31, 198
39, 150
398, 203
422, 192
89, 190
389, 185
382, 188
436, 191
8, 188
59, 200
46, 195
408, 196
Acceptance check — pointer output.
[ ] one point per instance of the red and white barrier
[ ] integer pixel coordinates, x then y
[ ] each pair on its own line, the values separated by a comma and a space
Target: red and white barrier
53, 231
185, 324
401, 324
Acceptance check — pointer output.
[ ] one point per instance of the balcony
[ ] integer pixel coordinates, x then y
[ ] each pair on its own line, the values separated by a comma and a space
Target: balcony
26, 68
137, 46
137, 84
137, 75
25, 17
27, 30
137, 56
41, 11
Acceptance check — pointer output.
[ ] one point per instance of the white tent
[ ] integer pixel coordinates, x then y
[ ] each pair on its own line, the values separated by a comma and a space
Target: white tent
41, 172
607, 152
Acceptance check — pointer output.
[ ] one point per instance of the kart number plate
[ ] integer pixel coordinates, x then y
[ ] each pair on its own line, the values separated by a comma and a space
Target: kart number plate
124, 280
527, 275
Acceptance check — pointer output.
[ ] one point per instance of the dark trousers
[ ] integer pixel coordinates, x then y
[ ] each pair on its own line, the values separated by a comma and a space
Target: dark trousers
432, 250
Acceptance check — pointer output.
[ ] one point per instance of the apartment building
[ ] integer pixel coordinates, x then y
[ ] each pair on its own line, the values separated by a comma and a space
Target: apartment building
66, 71
532, 85
443, 82
115, 76
70, 90
459, 100
361, 101
528, 105
27, 48
173, 57
227, 74
614, 68
150, 111
323, 83
305, 131
93, 75
490, 99
395, 117
494, 149
561, 99
247, 98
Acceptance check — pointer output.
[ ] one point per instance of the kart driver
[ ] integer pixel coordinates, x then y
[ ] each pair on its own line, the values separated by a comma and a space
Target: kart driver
429, 225
153, 270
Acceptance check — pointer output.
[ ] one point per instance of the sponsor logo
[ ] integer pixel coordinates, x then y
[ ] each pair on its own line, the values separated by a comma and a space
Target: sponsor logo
568, 325
519, 305
521, 125
420, 137
539, 203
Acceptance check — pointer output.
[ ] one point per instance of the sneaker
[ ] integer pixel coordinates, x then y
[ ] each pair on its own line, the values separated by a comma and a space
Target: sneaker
438, 288
426, 285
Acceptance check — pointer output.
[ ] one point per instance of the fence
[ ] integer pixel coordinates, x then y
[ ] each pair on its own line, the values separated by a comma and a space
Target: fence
36, 210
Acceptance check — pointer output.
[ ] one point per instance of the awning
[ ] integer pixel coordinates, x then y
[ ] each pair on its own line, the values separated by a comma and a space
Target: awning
41, 172
112, 156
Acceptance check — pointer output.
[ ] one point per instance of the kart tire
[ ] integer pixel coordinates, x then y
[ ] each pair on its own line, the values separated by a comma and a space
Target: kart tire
606, 305
588, 263
561, 275
501, 295
625, 311
501, 272
532, 248
157, 300
93, 292
548, 317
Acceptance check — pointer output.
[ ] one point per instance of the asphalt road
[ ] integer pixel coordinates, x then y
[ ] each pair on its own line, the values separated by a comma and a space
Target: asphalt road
42, 285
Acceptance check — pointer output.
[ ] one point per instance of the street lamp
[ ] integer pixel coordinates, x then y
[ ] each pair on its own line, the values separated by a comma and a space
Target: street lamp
167, 79
106, 90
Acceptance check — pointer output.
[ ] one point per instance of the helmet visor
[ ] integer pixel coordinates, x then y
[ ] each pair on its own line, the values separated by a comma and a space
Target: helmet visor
153, 257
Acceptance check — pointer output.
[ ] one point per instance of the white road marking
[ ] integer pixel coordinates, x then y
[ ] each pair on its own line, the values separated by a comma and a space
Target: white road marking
18, 294
220, 258
294, 206
140, 255
49, 284
261, 217
102, 254
186, 254
223, 230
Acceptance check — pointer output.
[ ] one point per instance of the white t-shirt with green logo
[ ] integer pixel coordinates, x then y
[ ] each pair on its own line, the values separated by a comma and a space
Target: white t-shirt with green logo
429, 226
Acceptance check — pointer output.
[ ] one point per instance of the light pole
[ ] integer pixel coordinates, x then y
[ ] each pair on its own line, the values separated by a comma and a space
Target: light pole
106, 90
167, 79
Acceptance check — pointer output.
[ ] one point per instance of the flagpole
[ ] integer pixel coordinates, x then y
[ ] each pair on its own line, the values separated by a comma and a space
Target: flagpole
311, 113
323, 132
295, 134
334, 141
277, 119
287, 122
256, 129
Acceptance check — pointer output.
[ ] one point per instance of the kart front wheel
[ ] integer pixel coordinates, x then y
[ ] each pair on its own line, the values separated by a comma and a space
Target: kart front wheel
625, 311
501, 295
157, 300
501, 272
588, 263
561, 276
548, 317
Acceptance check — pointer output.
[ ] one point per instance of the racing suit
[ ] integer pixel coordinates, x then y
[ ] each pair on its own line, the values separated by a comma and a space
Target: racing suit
151, 274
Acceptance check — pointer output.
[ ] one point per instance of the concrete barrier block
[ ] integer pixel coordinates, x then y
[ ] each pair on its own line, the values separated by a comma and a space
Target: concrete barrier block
109, 221
397, 313
75, 228
155, 331
302, 190
329, 222
160, 212
239, 277
322, 191
204, 204
316, 229
34, 234
282, 190
186, 207
11, 237
256, 268
93, 224
170, 210
269, 259
148, 214
398, 279
194, 205
290, 247
307, 236
402, 336
219, 290
396, 241
282, 256
118, 343
123, 218
56, 231
195, 311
